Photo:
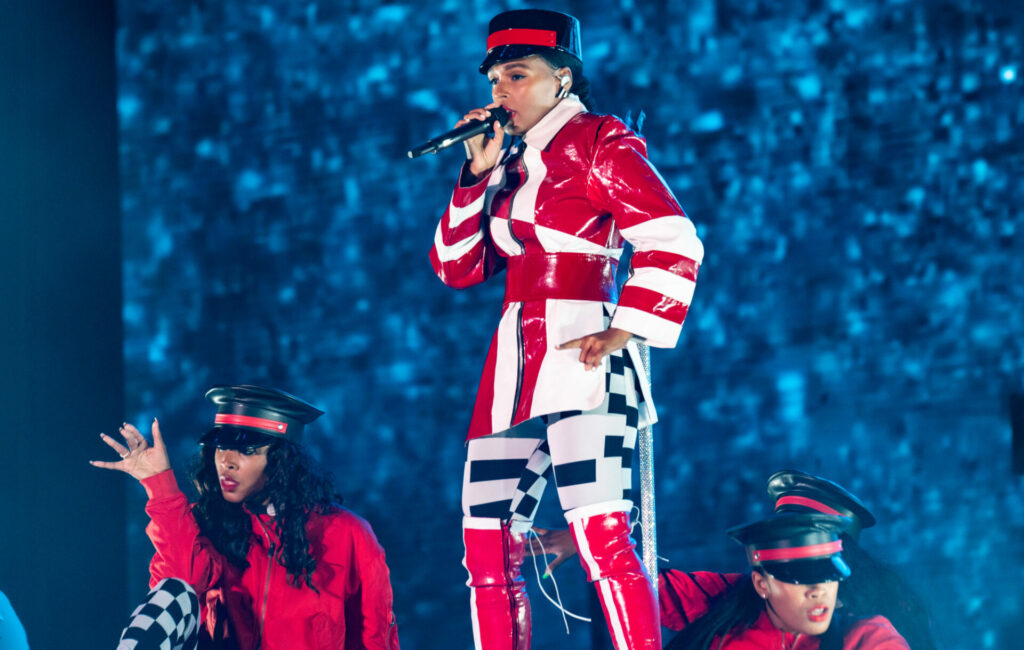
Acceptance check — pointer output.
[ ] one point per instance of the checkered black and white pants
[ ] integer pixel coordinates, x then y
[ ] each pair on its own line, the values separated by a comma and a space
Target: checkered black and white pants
168, 619
589, 453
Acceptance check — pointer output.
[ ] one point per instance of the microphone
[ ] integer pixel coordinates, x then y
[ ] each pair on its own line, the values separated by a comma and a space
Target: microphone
464, 132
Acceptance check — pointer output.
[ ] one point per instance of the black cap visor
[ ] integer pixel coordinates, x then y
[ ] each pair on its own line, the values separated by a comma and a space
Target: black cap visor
504, 53
236, 438
809, 572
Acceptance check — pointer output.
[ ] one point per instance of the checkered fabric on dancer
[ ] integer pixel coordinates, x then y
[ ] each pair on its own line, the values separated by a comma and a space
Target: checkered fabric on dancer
167, 620
505, 475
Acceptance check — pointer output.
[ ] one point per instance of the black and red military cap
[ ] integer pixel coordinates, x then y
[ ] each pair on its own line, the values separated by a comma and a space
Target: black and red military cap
253, 416
522, 32
798, 548
796, 491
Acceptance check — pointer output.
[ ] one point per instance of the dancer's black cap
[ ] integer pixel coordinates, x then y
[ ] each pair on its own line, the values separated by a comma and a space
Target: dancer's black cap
522, 32
796, 491
252, 416
799, 548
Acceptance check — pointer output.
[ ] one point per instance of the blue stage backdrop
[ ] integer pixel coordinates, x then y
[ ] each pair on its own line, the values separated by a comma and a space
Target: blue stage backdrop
856, 172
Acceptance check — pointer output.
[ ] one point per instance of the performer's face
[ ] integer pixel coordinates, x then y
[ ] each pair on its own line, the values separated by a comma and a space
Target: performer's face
241, 472
798, 609
527, 88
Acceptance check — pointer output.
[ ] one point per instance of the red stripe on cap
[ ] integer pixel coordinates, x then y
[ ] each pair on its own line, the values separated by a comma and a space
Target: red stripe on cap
543, 37
797, 552
249, 421
808, 503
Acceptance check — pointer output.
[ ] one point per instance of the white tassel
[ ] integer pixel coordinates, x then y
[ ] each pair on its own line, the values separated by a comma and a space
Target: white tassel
540, 583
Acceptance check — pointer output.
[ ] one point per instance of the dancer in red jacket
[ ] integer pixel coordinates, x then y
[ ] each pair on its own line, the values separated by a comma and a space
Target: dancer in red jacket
790, 601
873, 588
266, 558
552, 207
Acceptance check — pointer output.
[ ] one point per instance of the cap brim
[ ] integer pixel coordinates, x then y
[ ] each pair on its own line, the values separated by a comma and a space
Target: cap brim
809, 572
510, 53
235, 438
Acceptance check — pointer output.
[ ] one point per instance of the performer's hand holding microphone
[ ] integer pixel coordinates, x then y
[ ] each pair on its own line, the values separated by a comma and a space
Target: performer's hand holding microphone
473, 129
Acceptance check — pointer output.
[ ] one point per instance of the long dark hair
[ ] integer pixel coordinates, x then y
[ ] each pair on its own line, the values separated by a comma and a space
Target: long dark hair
293, 487
733, 611
736, 610
580, 84
874, 588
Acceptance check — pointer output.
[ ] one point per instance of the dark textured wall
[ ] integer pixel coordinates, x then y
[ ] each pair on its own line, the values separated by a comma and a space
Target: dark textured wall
854, 168
61, 374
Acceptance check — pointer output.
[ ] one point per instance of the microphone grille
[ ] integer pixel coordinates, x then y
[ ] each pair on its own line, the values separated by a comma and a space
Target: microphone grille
500, 115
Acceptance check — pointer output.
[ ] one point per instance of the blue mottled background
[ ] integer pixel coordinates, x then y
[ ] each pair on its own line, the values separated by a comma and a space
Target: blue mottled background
856, 172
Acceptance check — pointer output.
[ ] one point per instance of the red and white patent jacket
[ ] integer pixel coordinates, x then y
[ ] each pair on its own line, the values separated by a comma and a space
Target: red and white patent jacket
351, 609
554, 213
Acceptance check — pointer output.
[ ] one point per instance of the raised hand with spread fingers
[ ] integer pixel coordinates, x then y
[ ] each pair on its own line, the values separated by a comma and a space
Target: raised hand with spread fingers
139, 459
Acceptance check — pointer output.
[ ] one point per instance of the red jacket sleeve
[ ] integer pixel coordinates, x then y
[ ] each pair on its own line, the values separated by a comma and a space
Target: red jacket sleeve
875, 633
666, 250
369, 613
684, 597
463, 254
180, 551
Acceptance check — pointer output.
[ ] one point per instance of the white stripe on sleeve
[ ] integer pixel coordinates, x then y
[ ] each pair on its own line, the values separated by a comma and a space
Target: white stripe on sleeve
657, 332
673, 234
663, 282
456, 250
457, 215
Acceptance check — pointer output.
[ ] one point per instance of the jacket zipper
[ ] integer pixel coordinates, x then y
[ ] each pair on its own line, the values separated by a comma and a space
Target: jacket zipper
519, 319
266, 593
266, 586
505, 532
519, 367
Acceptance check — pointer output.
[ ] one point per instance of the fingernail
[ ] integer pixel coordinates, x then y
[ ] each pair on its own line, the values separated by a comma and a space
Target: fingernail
546, 575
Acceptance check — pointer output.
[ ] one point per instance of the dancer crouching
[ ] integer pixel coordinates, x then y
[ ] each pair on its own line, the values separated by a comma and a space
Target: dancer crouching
266, 558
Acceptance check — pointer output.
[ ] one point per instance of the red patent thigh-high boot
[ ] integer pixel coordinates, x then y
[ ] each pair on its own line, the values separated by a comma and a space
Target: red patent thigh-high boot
608, 555
498, 602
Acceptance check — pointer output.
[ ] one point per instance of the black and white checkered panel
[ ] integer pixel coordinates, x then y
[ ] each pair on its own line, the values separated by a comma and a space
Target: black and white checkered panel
505, 475
167, 620
577, 470
531, 486
500, 472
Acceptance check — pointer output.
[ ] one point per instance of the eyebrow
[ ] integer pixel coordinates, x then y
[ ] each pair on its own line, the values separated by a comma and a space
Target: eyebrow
513, 66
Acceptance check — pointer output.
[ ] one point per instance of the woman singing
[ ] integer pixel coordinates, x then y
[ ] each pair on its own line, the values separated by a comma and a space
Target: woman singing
552, 206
